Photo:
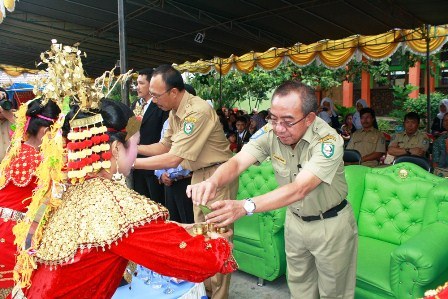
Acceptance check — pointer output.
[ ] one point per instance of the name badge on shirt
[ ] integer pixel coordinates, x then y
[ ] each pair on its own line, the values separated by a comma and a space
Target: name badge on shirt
278, 158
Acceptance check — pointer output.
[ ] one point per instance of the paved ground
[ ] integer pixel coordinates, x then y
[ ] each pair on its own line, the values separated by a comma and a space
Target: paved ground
244, 286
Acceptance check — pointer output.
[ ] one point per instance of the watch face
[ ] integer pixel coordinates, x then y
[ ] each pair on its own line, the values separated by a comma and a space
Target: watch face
249, 206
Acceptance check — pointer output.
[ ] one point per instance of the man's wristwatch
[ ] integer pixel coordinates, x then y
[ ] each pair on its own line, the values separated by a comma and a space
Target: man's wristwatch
249, 206
408, 151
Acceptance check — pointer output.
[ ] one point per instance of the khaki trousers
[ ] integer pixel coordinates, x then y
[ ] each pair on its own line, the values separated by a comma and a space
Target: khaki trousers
217, 286
321, 256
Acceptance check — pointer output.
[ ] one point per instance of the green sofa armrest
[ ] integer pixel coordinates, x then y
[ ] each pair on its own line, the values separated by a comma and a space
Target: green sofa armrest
419, 261
278, 219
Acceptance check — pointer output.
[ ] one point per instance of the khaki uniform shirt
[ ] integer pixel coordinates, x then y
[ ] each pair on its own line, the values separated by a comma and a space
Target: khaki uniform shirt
320, 151
4, 137
196, 134
419, 139
367, 142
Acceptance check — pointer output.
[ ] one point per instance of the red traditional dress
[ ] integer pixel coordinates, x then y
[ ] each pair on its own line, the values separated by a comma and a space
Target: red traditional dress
14, 198
99, 227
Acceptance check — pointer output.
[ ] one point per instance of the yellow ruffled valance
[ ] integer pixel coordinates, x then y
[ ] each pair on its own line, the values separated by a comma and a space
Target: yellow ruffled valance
15, 71
332, 53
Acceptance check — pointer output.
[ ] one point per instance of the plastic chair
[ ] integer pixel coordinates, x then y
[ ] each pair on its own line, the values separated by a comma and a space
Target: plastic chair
420, 161
352, 156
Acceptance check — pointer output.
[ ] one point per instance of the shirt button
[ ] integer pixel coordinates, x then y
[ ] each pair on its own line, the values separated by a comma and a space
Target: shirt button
293, 155
294, 174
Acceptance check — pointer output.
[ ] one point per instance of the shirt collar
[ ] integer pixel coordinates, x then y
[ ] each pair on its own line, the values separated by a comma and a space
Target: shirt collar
180, 112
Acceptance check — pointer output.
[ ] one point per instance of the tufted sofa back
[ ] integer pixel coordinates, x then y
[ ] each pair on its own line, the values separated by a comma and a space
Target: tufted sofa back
257, 180
392, 211
392, 203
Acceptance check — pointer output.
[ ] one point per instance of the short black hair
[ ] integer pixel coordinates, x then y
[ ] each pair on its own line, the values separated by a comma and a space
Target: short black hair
242, 119
412, 116
367, 110
170, 76
147, 72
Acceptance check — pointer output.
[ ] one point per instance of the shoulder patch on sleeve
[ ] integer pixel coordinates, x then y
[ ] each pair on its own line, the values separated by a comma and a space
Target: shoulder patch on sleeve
266, 128
327, 149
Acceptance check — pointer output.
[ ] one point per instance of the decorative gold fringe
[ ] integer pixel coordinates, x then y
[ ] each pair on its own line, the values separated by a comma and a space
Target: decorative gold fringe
16, 141
49, 172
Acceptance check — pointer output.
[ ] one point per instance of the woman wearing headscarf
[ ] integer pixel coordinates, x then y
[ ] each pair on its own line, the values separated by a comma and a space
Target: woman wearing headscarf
18, 182
437, 124
328, 113
361, 103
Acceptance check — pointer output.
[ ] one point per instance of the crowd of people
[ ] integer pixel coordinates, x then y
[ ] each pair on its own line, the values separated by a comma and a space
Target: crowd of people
181, 153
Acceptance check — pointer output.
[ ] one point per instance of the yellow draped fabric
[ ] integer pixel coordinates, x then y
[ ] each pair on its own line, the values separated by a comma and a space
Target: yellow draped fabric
332, 53
15, 71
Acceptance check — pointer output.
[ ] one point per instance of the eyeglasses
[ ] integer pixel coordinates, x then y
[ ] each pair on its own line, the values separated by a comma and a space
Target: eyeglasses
157, 96
275, 123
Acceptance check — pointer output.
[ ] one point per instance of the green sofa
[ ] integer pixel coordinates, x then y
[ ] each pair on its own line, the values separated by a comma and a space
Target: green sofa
402, 215
259, 245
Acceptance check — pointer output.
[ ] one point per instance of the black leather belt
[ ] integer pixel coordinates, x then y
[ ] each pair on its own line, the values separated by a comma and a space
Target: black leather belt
333, 212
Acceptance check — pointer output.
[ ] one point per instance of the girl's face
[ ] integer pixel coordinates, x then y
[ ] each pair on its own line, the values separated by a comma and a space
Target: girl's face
349, 120
443, 108
359, 106
232, 138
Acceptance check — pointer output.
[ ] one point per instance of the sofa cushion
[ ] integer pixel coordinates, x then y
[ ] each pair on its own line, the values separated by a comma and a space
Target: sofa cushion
392, 211
373, 269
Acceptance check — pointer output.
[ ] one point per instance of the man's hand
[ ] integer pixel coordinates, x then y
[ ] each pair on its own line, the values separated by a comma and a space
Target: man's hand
202, 192
416, 151
166, 179
226, 212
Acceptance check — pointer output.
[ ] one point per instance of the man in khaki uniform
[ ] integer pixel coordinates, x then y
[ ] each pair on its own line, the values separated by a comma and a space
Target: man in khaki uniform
368, 141
194, 139
411, 141
320, 228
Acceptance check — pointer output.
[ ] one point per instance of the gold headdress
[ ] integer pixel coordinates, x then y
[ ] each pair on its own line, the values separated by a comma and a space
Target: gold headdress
65, 81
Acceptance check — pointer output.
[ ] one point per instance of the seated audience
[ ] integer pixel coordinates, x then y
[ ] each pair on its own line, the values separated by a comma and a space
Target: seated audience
411, 141
327, 112
347, 128
437, 124
242, 135
368, 141
232, 141
440, 151
361, 103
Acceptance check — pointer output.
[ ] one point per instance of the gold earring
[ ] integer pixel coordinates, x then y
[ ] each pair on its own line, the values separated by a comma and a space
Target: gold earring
117, 176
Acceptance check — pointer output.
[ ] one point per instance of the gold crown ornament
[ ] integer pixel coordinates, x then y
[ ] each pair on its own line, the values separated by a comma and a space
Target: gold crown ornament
86, 151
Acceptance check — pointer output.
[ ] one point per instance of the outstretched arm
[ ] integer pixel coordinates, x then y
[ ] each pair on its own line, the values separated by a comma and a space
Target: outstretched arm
202, 192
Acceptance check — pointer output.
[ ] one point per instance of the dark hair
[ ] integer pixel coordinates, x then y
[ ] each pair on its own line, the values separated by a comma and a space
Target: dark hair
241, 119
306, 93
35, 108
412, 116
115, 116
171, 76
190, 89
346, 116
147, 72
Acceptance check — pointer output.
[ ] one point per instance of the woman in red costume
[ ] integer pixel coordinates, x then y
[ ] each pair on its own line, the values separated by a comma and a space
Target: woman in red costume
17, 184
101, 224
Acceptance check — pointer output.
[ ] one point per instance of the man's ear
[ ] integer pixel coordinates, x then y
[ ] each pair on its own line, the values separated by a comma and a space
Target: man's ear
310, 118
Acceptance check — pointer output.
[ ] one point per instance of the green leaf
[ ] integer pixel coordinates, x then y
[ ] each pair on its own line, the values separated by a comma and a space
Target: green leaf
205, 210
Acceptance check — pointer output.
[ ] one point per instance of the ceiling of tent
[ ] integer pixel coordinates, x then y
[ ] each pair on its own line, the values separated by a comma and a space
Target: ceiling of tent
164, 31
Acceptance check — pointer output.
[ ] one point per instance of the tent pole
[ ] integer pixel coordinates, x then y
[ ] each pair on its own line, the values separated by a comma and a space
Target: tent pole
220, 85
123, 51
428, 74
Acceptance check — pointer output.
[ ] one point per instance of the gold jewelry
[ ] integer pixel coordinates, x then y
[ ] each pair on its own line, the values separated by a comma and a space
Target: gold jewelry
117, 176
